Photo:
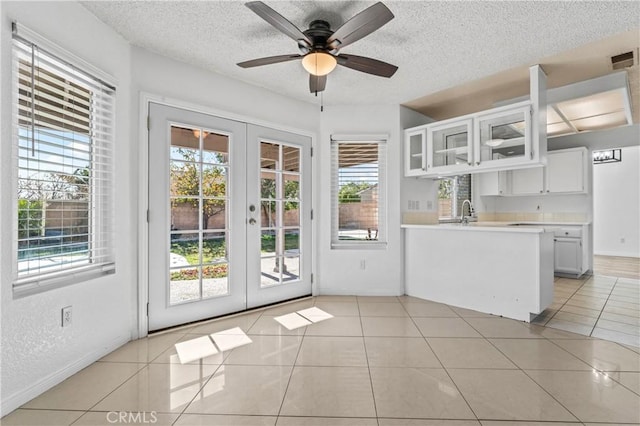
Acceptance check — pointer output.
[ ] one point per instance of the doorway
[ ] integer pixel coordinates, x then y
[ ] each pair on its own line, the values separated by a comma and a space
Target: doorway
229, 216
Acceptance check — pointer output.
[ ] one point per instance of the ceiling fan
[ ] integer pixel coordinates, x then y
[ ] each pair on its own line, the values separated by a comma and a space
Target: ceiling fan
320, 45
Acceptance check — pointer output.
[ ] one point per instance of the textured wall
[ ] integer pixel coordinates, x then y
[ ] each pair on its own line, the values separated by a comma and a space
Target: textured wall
36, 351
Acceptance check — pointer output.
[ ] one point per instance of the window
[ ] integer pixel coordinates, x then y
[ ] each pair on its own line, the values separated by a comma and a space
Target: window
63, 131
451, 194
358, 191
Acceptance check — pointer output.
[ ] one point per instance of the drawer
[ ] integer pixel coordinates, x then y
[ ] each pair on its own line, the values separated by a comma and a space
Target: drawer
568, 232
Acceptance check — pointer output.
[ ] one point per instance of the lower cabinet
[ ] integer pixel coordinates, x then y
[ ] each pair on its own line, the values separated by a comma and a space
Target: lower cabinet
568, 255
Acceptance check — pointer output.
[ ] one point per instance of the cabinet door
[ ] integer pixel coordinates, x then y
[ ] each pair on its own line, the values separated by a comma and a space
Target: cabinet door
566, 171
503, 138
449, 147
568, 255
492, 183
527, 181
415, 156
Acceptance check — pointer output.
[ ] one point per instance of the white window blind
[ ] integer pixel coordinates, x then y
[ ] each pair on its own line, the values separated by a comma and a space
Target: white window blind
358, 192
63, 132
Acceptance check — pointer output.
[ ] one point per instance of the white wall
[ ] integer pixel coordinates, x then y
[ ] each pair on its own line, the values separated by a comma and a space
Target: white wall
228, 98
36, 351
422, 191
616, 197
339, 270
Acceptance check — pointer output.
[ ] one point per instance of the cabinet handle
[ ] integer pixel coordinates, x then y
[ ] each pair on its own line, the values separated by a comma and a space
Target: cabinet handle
477, 163
541, 191
469, 163
548, 190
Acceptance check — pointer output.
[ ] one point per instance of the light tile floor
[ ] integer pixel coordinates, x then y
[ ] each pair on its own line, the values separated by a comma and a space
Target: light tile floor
379, 361
597, 306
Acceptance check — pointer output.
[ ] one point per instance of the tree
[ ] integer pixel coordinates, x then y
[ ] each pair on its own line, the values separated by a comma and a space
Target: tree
350, 192
185, 183
29, 218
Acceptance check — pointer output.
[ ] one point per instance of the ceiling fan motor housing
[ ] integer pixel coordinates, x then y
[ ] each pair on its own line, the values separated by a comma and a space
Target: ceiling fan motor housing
319, 31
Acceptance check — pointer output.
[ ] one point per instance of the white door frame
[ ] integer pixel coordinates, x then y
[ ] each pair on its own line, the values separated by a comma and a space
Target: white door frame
142, 328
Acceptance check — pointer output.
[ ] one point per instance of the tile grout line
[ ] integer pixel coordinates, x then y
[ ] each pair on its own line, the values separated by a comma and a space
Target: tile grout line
442, 364
566, 301
524, 372
293, 368
366, 356
602, 310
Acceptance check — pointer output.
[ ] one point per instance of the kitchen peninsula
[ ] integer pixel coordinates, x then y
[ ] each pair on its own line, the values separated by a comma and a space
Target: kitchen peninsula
501, 270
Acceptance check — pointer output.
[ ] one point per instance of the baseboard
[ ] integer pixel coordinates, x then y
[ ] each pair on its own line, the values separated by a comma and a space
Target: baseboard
617, 254
21, 397
336, 291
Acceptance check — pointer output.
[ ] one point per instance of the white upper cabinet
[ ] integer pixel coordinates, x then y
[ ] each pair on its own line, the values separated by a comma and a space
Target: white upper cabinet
527, 181
415, 145
567, 171
449, 147
503, 138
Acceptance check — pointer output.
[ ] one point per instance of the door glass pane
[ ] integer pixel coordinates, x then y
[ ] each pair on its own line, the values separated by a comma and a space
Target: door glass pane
291, 158
198, 187
415, 152
270, 271
291, 186
268, 242
185, 214
503, 136
291, 213
450, 146
185, 249
270, 156
292, 270
184, 178
184, 145
184, 285
280, 183
215, 148
215, 280
214, 213
214, 247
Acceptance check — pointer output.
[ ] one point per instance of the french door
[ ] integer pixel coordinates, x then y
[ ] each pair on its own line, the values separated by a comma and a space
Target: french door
229, 216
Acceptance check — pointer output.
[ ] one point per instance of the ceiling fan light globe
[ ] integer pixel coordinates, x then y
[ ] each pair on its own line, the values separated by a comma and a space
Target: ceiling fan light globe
319, 63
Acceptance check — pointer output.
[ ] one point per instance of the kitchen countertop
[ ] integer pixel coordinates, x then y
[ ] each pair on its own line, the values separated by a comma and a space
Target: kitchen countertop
495, 226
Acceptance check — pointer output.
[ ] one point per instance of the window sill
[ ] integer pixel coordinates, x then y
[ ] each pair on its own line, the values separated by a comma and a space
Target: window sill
360, 245
34, 285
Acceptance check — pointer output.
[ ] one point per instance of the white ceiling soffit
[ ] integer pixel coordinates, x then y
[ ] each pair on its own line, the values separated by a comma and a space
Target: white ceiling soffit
436, 45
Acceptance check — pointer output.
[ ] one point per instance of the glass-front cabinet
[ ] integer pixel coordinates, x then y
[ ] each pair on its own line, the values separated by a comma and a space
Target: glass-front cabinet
493, 140
415, 146
503, 137
449, 146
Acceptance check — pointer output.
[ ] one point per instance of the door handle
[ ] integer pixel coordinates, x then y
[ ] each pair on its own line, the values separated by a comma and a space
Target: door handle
252, 221
252, 208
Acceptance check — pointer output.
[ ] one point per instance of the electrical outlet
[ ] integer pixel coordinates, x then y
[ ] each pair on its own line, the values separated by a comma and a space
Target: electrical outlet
66, 316
429, 205
363, 264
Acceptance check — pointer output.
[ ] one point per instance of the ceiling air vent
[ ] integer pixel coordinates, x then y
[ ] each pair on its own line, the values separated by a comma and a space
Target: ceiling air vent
623, 60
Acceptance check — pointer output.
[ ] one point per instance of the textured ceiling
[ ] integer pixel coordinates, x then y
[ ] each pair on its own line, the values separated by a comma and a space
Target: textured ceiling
436, 45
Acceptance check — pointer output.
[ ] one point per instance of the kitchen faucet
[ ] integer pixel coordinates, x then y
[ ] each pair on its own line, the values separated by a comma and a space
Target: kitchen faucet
465, 219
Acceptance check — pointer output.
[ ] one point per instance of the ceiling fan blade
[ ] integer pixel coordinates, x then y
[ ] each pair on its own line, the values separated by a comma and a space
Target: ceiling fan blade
268, 60
361, 25
367, 65
277, 20
317, 83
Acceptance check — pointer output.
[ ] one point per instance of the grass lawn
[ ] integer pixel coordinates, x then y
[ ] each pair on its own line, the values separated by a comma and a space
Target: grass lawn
215, 248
